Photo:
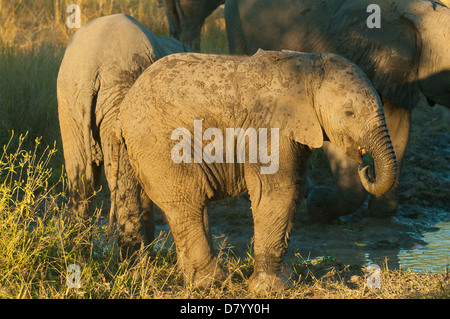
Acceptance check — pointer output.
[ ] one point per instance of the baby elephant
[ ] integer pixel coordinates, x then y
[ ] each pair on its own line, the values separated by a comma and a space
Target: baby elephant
205, 127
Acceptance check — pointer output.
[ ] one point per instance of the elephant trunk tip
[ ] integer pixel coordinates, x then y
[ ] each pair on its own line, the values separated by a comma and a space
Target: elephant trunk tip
384, 177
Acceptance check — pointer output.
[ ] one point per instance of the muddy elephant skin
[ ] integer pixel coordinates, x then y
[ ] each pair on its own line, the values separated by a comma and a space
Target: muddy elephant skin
298, 99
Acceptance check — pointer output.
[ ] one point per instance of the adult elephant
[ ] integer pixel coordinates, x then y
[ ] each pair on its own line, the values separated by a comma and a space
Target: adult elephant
100, 64
186, 121
186, 18
409, 53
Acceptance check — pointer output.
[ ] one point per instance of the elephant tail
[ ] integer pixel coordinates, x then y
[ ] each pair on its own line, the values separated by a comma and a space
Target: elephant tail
116, 144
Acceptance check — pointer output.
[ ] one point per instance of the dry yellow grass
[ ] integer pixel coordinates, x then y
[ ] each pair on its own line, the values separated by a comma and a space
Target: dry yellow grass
27, 23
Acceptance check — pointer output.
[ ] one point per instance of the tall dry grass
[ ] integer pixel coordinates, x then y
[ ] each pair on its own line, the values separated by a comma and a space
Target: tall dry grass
27, 23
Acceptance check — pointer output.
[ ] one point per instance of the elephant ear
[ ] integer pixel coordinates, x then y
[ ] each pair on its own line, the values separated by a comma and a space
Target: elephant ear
389, 56
303, 126
290, 106
296, 115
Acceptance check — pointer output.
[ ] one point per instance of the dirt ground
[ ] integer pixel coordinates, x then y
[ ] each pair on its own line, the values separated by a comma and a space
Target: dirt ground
357, 239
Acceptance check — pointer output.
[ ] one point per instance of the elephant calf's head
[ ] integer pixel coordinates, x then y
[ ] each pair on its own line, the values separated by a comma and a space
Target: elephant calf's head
351, 115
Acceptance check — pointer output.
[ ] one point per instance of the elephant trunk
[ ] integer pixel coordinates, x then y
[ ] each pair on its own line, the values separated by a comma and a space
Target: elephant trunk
379, 145
190, 36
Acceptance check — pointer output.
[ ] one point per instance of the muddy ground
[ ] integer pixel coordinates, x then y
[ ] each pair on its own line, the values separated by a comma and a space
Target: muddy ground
357, 239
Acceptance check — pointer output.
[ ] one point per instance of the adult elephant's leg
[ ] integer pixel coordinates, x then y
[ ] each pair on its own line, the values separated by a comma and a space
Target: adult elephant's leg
398, 122
325, 204
81, 184
130, 222
81, 189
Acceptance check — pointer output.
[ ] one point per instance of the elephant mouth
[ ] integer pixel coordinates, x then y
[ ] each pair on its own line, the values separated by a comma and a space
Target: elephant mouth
365, 160
362, 151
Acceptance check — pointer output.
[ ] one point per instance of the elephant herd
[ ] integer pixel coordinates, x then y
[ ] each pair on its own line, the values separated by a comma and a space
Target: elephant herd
177, 128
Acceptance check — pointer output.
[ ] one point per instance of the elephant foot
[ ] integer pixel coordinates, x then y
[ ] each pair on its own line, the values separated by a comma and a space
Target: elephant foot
129, 249
326, 204
131, 241
207, 278
383, 207
321, 205
264, 282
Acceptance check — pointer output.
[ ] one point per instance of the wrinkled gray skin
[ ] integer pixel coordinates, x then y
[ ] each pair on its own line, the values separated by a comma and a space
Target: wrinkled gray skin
186, 18
101, 62
410, 53
303, 95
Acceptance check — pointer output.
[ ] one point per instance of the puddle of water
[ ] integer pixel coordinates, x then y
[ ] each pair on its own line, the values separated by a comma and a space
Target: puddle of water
408, 248
433, 257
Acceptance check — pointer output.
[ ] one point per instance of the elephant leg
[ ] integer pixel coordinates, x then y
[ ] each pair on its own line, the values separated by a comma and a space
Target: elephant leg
195, 256
325, 204
274, 199
398, 121
81, 188
129, 219
148, 217
273, 219
81, 191
274, 202
206, 227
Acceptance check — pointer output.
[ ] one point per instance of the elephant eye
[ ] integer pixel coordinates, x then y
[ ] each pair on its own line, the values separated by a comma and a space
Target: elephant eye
349, 113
